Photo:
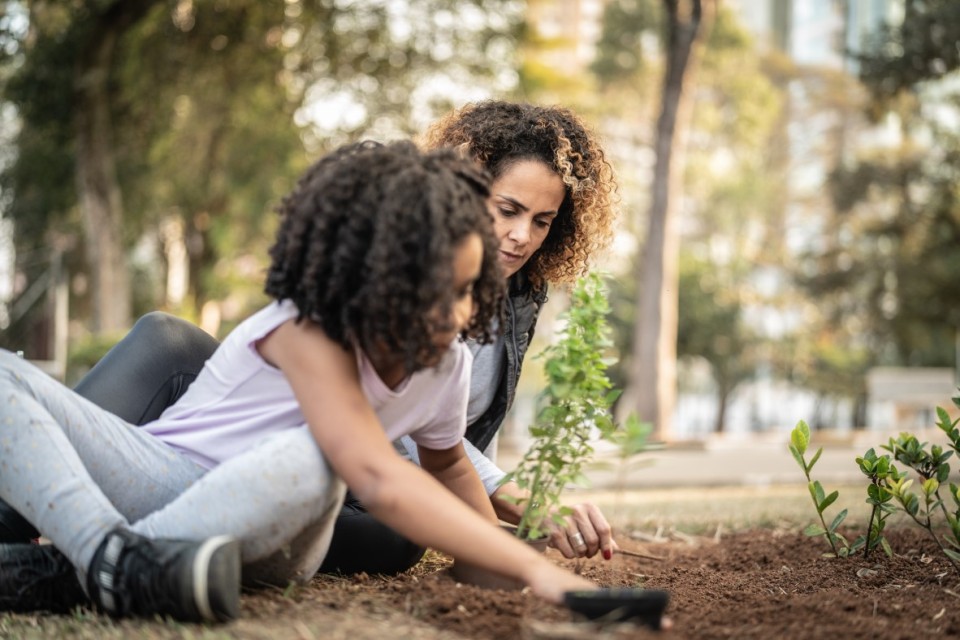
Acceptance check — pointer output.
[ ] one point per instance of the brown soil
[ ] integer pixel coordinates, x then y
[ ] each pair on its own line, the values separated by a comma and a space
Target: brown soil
752, 584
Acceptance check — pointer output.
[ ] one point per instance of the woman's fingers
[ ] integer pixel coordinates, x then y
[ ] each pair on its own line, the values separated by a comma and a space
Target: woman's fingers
587, 532
560, 541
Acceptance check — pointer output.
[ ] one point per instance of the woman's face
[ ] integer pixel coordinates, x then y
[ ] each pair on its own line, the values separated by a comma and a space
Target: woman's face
524, 199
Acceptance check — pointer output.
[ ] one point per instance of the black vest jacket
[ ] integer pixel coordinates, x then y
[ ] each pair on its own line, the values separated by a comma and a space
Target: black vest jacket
523, 306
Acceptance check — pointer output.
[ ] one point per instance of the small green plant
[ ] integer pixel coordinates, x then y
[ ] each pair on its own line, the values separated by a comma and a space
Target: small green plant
889, 490
799, 441
573, 407
879, 471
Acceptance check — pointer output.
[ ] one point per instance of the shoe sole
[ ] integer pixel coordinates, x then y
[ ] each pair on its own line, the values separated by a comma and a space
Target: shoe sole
216, 565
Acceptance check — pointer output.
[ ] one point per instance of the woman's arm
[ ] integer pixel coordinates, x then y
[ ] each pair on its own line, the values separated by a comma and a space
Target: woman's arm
325, 380
586, 517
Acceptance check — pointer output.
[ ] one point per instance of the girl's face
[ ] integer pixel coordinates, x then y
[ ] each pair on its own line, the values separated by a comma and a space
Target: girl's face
524, 199
467, 262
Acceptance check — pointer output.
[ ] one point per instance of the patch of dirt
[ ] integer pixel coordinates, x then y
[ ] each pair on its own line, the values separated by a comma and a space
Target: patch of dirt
752, 584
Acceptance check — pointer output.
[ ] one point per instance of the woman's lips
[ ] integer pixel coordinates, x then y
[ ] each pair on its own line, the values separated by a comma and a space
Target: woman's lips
510, 258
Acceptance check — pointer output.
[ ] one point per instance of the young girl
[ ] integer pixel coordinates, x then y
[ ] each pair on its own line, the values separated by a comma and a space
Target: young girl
383, 257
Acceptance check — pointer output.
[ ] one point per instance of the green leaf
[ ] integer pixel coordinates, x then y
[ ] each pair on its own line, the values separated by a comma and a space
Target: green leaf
829, 500
886, 547
944, 417
798, 457
912, 504
839, 519
800, 437
812, 488
816, 457
814, 530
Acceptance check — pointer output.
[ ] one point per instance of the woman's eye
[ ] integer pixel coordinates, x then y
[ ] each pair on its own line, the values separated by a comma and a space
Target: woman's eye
506, 213
543, 224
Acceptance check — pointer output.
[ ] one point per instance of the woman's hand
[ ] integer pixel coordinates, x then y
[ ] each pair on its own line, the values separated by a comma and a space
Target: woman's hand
586, 521
586, 533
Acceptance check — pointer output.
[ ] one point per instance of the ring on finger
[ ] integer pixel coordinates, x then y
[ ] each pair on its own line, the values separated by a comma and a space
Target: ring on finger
577, 540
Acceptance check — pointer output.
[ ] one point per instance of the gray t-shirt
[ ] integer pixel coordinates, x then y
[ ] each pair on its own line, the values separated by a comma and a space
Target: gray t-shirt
485, 375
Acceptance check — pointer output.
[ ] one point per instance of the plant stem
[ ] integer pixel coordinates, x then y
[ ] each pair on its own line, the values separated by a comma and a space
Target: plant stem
826, 530
866, 548
929, 527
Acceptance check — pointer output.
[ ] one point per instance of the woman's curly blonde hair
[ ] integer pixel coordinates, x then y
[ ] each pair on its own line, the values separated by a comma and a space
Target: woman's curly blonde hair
499, 134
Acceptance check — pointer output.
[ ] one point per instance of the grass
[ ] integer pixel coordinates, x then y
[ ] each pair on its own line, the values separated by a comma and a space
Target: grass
701, 510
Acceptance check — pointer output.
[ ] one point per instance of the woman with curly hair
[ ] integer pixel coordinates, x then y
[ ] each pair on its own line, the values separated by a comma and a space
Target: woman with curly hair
552, 205
384, 260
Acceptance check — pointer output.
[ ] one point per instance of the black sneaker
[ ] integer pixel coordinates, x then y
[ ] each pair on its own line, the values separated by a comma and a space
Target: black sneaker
188, 581
13, 527
37, 577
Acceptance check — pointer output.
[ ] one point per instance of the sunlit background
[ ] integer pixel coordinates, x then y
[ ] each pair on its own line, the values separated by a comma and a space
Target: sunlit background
145, 144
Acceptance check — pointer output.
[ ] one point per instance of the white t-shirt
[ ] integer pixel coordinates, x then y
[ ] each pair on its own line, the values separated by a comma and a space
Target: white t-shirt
238, 398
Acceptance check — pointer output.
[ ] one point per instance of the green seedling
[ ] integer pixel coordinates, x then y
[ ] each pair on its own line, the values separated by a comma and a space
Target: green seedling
878, 470
573, 407
949, 427
890, 490
922, 512
799, 441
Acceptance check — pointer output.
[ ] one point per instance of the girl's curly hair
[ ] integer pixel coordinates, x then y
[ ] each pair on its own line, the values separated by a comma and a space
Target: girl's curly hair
498, 134
366, 246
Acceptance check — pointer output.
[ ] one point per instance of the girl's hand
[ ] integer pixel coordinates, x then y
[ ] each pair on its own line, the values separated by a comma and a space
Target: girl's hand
587, 532
550, 582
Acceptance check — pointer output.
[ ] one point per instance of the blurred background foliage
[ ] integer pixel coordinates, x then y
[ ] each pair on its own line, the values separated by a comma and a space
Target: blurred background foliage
146, 143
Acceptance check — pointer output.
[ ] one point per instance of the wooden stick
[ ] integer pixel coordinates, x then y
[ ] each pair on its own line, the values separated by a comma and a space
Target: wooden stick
636, 554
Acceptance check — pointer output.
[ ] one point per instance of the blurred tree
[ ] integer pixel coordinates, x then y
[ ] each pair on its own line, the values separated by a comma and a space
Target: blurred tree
652, 387
712, 327
890, 269
730, 188
62, 90
620, 58
921, 48
204, 107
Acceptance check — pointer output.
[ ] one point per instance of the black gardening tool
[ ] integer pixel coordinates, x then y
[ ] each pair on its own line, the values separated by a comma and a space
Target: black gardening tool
642, 606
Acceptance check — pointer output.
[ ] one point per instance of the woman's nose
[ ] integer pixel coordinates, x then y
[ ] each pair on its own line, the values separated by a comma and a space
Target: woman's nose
520, 232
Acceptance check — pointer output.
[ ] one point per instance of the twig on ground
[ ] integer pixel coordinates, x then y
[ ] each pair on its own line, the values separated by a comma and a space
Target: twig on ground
637, 554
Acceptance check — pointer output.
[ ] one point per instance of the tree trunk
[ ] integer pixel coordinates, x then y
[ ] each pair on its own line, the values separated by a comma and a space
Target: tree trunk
721, 423
98, 189
652, 386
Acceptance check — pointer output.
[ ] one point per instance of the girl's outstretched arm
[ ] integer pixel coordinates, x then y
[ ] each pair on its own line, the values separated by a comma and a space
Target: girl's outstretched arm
326, 382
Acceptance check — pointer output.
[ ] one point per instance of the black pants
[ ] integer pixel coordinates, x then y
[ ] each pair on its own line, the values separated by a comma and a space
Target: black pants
155, 363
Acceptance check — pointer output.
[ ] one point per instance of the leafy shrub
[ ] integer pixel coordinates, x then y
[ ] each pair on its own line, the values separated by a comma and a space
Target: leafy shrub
889, 490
